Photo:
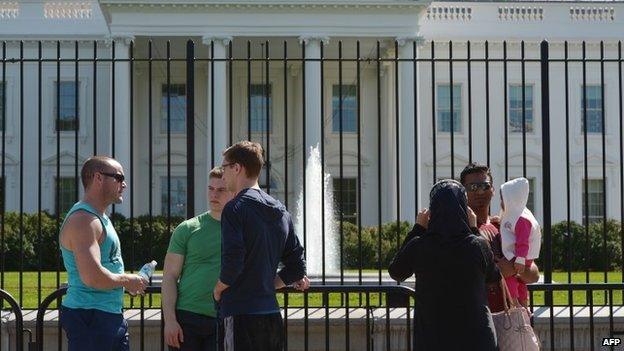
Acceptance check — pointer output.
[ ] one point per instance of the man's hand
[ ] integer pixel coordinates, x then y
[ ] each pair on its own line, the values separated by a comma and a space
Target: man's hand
422, 218
472, 218
218, 290
519, 268
495, 220
135, 284
487, 234
302, 284
173, 334
506, 267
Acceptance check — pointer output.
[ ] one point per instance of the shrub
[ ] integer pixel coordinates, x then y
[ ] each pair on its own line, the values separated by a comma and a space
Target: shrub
571, 246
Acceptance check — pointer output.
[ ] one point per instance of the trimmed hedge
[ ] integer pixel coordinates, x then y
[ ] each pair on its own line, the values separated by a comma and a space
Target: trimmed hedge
576, 248
147, 240
38, 247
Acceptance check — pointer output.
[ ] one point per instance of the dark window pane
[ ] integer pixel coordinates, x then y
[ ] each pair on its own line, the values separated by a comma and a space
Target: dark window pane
65, 106
444, 108
595, 198
66, 193
258, 111
349, 109
515, 108
177, 100
593, 100
348, 206
178, 196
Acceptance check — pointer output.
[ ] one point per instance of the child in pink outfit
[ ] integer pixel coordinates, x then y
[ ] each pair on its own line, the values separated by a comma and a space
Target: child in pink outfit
521, 234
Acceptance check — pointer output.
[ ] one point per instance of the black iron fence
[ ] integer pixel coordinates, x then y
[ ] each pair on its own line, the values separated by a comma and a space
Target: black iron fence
324, 317
389, 117
370, 317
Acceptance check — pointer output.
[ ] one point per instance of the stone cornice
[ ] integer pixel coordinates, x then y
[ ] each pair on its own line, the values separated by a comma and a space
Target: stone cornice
209, 38
50, 41
404, 40
123, 38
274, 4
306, 38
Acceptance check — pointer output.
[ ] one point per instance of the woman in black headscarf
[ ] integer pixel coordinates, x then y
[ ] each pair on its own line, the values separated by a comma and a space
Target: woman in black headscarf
452, 265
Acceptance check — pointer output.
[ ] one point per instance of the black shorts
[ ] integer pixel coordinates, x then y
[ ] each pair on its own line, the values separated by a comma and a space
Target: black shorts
257, 332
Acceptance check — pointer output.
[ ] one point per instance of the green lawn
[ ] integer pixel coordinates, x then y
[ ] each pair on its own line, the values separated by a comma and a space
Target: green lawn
31, 293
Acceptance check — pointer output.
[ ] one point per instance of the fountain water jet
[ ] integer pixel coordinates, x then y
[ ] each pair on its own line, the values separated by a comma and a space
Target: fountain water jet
315, 242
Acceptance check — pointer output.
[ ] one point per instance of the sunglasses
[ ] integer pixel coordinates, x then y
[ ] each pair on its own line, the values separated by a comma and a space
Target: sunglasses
472, 187
118, 177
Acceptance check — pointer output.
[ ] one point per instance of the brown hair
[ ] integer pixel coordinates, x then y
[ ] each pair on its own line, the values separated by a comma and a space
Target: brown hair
92, 165
248, 154
216, 172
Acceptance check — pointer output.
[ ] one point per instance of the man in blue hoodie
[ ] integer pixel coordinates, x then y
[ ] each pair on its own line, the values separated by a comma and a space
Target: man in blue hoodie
257, 234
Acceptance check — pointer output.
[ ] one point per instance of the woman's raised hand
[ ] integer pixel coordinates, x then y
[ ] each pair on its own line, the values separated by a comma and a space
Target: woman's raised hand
422, 218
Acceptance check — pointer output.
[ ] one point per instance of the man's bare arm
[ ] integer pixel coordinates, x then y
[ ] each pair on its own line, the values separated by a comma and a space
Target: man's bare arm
80, 235
529, 276
171, 273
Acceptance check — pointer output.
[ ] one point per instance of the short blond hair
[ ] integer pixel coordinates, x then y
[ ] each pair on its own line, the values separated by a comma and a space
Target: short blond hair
216, 172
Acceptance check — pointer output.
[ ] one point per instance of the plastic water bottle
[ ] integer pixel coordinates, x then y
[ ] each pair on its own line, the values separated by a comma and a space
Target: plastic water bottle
147, 270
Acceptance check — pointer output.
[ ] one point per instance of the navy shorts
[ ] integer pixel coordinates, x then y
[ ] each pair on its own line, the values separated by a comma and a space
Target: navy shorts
94, 330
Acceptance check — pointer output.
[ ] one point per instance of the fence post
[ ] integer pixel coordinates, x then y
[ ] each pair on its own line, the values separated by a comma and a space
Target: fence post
190, 128
547, 230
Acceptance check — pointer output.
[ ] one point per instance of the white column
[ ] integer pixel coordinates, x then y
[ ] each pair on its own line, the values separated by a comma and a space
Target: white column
122, 113
408, 169
217, 99
313, 90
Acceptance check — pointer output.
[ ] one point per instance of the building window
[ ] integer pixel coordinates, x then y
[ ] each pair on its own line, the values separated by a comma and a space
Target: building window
593, 96
66, 193
176, 95
262, 181
348, 205
178, 196
515, 108
349, 109
595, 201
444, 108
66, 111
259, 97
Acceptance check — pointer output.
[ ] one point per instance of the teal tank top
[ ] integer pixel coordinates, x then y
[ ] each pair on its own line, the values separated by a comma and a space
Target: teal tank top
80, 295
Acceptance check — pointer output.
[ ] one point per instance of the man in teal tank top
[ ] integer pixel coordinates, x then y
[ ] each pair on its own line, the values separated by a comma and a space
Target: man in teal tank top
191, 270
91, 312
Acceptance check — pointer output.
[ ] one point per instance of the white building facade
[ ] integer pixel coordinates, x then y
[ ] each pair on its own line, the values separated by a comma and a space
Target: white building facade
386, 169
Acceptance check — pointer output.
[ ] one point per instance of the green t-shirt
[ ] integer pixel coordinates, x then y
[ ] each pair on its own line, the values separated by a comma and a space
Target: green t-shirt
199, 240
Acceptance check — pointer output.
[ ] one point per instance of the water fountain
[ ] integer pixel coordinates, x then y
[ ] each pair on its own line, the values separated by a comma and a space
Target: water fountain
315, 243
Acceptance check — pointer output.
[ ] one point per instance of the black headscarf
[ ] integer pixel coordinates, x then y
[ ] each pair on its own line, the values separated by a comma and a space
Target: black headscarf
448, 206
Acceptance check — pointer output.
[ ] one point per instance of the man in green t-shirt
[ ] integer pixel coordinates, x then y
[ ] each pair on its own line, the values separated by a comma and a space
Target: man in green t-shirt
191, 270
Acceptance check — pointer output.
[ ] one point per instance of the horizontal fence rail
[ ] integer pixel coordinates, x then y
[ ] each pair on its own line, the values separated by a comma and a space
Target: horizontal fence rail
383, 321
372, 325
578, 325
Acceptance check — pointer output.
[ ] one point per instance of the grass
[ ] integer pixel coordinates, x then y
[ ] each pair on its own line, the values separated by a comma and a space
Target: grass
31, 293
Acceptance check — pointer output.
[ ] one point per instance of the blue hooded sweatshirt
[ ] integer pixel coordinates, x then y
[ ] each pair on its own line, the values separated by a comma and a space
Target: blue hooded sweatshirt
257, 234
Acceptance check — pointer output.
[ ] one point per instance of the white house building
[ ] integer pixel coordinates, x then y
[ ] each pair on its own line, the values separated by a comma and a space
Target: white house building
394, 100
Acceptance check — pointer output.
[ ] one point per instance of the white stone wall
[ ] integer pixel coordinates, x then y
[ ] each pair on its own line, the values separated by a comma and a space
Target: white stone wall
460, 22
